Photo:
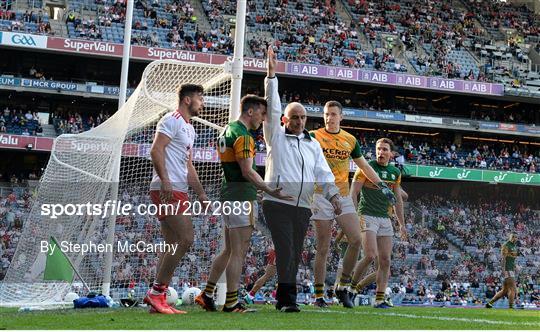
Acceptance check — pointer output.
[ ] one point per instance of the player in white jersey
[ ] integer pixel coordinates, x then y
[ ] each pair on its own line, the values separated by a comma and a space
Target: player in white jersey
173, 173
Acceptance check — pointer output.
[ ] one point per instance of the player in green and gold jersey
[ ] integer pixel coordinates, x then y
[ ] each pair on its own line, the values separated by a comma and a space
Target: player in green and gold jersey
339, 147
236, 148
375, 212
509, 253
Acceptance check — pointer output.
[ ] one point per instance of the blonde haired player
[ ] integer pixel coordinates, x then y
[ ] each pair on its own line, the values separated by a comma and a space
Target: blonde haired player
375, 212
339, 147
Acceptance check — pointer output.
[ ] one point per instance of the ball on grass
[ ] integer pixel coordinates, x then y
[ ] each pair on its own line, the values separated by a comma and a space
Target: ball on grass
172, 296
190, 294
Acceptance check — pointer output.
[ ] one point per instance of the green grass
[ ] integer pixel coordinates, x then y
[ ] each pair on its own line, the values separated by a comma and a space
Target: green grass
268, 318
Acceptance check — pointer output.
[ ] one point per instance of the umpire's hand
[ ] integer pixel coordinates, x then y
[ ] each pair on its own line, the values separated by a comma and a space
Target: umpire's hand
276, 192
336, 203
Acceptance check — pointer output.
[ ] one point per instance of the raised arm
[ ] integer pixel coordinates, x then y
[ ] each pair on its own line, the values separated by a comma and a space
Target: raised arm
272, 122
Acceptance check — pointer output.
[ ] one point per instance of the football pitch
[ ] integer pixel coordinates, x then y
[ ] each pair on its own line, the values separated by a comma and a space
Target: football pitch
267, 317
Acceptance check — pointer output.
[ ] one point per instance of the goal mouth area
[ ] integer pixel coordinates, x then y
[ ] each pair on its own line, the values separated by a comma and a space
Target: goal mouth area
112, 162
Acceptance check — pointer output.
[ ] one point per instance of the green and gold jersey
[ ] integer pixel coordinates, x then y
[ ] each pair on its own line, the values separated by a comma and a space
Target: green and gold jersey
510, 261
338, 149
373, 202
236, 143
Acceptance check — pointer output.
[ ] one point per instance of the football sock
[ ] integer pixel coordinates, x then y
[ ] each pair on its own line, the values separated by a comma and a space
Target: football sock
353, 286
379, 297
319, 290
344, 282
252, 293
158, 289
232, 299
209, 289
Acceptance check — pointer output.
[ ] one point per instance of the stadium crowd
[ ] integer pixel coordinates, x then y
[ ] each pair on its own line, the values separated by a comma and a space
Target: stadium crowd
440, 262
435, 37
74, 123
18, 121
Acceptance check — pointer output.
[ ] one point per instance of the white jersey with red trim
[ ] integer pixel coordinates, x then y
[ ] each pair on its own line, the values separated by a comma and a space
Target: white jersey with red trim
177, 152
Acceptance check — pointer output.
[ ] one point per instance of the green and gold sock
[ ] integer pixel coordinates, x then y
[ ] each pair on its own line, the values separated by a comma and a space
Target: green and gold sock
344, 282
319, 290
379, 296
210, 288
231, 299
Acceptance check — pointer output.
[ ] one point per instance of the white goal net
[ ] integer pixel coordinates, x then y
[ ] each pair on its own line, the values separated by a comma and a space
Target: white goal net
111, 163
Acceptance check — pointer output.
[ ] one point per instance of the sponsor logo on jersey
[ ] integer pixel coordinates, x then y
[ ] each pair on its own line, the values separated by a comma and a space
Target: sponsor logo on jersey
336, 153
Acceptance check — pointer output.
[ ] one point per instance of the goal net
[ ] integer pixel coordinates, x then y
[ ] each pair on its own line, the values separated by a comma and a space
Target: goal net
111, 163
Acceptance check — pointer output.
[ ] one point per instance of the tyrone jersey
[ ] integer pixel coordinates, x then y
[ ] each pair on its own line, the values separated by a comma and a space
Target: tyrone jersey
338, 149
373, 202
177, 152
236, 143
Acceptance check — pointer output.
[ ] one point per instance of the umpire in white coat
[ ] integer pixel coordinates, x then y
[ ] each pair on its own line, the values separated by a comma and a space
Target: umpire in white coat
296, 163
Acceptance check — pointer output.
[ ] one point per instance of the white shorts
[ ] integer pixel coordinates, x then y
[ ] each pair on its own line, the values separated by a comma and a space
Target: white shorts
379, 225
243, 218
322, 209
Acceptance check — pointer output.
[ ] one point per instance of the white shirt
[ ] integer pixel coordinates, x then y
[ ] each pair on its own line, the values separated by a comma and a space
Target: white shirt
177, 152
297, 160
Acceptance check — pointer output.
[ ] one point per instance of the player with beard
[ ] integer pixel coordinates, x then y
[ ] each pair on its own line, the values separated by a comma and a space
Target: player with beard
173, 174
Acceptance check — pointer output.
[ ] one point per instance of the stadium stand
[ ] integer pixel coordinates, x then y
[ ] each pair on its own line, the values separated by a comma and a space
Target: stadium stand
74, 123
463, 40
20, 123
442, 152
30, 21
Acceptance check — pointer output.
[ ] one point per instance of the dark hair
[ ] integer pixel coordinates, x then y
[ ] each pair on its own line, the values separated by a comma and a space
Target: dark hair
387, 141
334, 103
188, 89
251, 101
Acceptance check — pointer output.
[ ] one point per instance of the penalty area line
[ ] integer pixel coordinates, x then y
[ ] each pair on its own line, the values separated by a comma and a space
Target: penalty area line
442, 318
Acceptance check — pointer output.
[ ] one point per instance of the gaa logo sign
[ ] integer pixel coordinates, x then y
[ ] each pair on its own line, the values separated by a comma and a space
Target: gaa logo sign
23, 40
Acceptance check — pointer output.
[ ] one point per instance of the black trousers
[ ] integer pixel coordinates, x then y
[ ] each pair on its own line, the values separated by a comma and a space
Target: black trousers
288, 225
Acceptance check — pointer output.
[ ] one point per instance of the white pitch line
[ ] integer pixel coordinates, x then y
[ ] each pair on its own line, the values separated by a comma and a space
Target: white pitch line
468, 320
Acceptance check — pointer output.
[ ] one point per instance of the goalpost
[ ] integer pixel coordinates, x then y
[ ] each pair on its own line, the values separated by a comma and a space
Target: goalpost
111, 163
